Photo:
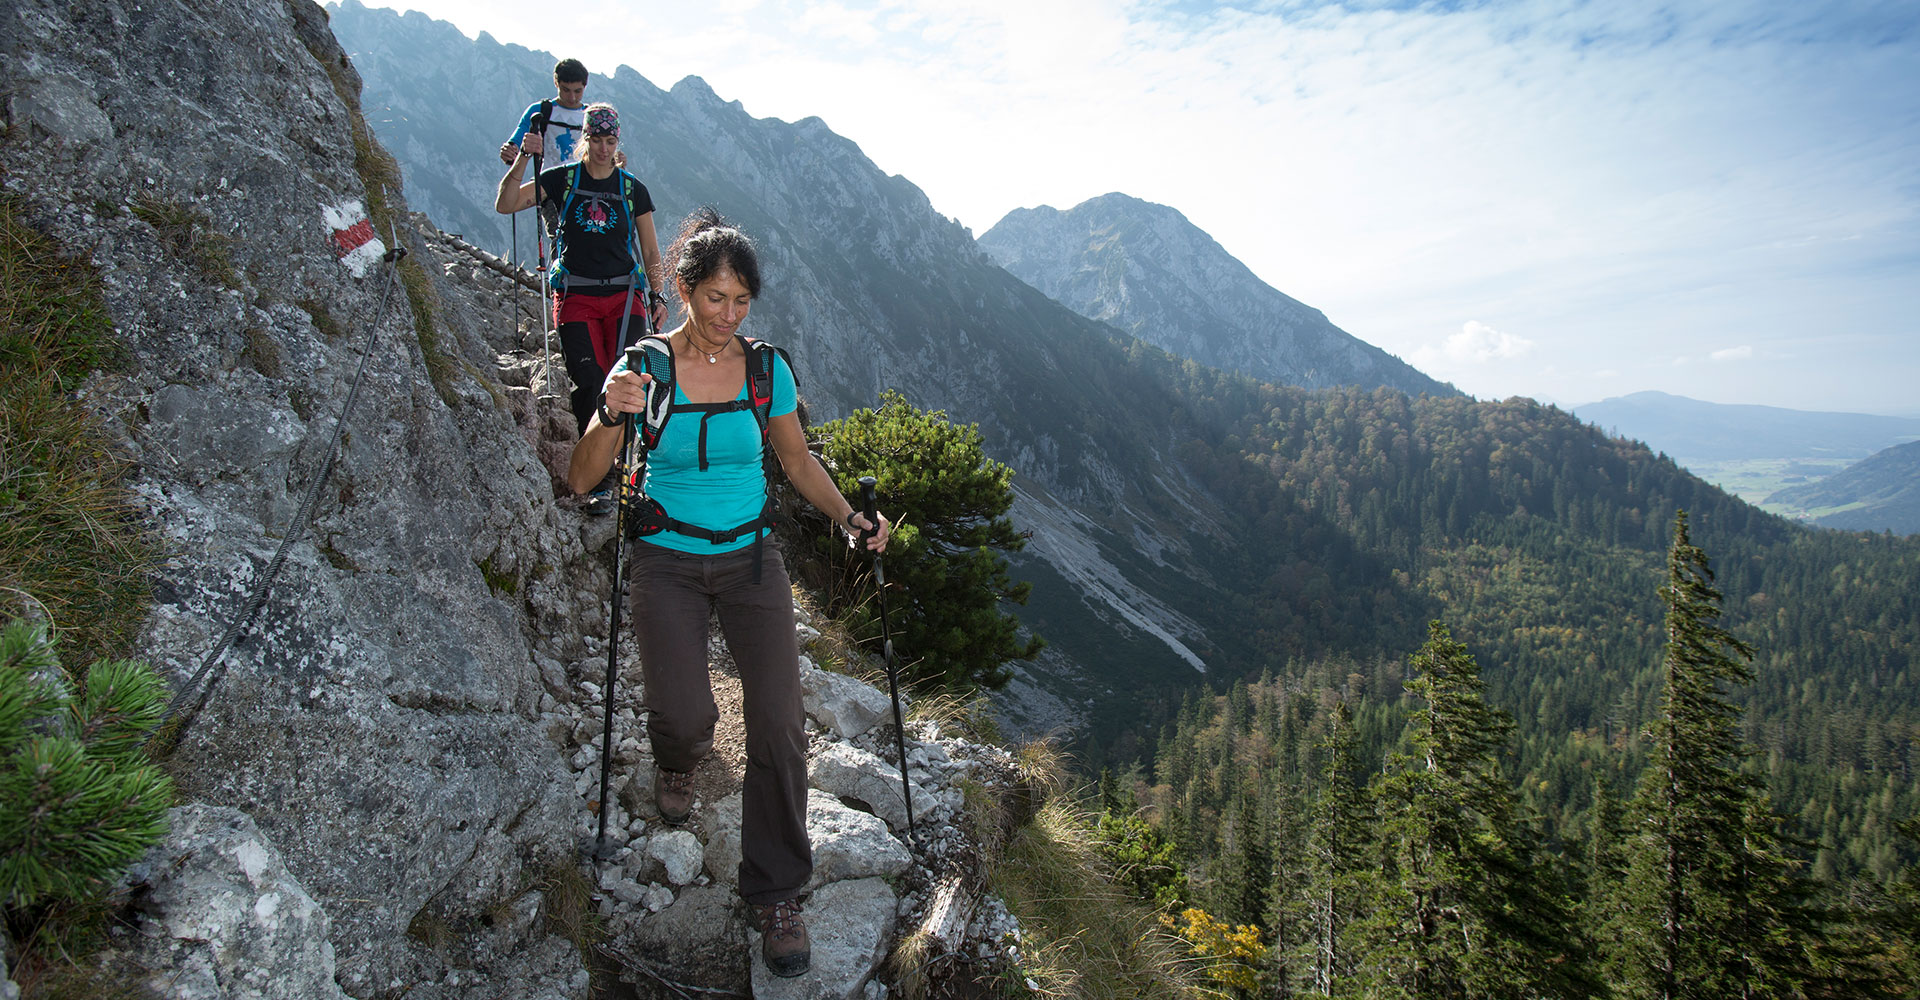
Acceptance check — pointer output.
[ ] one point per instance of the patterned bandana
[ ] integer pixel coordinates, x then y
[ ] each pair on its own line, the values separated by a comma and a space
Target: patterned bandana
603, 120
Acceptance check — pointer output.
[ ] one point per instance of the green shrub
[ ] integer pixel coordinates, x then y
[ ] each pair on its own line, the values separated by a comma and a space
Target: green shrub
78, 797
946, 563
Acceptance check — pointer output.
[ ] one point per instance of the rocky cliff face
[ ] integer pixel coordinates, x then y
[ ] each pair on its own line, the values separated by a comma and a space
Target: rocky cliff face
394, 768
1147, 270
381, 726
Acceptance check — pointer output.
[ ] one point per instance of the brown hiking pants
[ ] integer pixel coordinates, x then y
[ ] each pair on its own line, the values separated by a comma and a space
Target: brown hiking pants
673, 595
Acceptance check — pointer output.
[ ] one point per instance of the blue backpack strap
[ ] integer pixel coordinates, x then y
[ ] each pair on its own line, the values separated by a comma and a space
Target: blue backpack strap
557, 274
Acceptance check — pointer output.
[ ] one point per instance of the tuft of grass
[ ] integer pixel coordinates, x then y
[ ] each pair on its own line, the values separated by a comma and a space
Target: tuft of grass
72, 547
1084, 935
835, 649
263, 353
501, 581
567, 905
189, 234
441, 366
431, 929
963, 714
98, 975
323, 320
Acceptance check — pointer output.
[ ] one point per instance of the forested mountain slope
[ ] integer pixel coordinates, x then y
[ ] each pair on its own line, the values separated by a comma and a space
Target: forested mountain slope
1539, 540
1879, 493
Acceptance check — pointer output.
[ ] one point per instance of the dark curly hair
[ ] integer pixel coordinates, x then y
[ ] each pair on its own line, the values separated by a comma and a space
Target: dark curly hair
706, 244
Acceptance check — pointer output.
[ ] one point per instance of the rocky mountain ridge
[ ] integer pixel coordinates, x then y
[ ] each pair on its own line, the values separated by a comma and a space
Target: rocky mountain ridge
1147, 270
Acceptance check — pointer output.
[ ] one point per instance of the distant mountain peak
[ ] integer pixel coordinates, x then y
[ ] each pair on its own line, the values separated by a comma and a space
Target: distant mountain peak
1695, 431
1145, 268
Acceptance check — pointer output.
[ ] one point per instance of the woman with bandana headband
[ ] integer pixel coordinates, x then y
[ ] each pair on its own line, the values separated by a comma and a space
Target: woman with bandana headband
601, 214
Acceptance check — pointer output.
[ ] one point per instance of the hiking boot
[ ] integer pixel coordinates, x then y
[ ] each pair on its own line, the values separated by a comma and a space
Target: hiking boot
673, 794
783, 938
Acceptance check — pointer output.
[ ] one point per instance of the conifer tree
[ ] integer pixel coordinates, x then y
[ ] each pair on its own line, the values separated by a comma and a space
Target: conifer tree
1459, 913
1708, 904
947, 561
1898, 921
1340, 864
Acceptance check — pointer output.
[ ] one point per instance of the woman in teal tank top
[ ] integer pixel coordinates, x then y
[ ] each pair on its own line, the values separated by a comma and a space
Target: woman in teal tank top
706, 473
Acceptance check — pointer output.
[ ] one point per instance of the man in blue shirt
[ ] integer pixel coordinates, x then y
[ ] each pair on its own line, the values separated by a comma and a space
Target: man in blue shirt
567, 116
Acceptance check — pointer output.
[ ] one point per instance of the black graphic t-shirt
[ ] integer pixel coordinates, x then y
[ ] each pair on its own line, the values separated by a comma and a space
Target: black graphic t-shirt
594, 227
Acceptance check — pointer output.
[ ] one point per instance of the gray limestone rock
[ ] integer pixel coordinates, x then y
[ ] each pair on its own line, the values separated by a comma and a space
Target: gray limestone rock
62, 104
699, 932
847, 843
850, 844
849, 926
853, 774
224, 918
680, 853
842, 704
378, 722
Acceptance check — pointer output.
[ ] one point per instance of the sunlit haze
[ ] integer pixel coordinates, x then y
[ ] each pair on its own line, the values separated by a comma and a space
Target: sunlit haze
1564, 201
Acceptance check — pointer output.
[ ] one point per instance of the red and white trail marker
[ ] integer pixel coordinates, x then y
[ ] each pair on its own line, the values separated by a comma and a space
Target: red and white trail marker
353, 237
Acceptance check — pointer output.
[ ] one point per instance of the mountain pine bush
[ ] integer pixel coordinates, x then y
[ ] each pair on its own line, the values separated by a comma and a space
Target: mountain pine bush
78, 797
947, 559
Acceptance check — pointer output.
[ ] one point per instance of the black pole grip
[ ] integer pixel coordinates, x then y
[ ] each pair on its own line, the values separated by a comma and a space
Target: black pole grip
867, 483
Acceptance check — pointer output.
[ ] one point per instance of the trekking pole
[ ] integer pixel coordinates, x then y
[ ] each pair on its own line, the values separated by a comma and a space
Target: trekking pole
513, 260
867, 483
539, 125
621, 486
613, 639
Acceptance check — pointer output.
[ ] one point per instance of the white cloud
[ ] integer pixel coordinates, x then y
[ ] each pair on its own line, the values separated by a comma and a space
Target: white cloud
1475, 344
1742, 353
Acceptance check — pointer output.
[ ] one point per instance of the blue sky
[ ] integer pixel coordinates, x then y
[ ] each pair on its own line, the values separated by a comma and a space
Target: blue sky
1560, 200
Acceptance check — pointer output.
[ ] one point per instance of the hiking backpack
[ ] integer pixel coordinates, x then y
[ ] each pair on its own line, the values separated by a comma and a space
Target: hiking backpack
643, 514
557, 276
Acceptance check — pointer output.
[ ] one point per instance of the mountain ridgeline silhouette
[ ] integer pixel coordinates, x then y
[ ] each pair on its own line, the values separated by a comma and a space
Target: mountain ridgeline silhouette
1185, 515
1145, 269
1695, 431
1878, 493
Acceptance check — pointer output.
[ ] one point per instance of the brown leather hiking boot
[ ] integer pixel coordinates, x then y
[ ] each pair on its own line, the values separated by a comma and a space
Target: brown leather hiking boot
783, 938
673, 794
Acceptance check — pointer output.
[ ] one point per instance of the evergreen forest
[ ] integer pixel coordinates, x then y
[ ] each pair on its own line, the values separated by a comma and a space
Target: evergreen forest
1308, 799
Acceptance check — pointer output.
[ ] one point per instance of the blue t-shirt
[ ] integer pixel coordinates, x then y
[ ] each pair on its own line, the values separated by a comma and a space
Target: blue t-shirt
733, 489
